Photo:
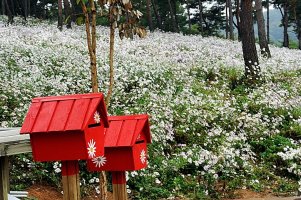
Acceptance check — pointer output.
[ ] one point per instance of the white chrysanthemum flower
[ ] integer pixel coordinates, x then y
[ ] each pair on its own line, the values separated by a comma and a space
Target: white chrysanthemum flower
91, 148
99, 161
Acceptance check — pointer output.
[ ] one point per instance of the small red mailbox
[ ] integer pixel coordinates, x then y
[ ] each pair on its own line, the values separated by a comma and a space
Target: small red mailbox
67, 127
125, 144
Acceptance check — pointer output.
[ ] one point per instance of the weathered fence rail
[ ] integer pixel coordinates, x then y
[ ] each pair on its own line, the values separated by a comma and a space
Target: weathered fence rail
11, 143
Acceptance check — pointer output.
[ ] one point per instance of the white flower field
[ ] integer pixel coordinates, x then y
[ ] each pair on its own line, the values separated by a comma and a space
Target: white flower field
211, 133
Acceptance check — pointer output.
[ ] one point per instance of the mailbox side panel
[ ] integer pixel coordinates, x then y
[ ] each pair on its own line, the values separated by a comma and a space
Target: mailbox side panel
140, 155
58, 146
94, 140
115, 159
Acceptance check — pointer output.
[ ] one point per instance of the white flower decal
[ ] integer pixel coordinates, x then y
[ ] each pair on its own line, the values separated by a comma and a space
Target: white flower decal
99, 161
143, 156
91, 148
96, 117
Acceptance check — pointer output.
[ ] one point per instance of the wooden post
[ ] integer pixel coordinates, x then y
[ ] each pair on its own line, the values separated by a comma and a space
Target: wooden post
70, 179
119, 185
4, 177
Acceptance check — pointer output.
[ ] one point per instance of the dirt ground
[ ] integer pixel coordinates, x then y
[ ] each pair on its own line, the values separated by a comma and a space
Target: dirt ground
42, 192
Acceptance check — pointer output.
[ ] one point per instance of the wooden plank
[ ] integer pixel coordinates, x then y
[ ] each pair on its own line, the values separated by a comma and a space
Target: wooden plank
30, 117
14, 149
61, 115
9, 131
13, 138
127, 133
44, 117
112, 133
119, 185
70, 180
77, 114
4, 178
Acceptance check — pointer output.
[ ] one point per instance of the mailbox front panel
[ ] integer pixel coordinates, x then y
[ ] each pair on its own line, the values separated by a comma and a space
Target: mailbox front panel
58, 146
140, 155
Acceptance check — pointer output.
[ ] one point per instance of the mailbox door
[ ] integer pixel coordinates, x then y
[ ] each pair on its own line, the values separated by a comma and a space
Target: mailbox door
140, 155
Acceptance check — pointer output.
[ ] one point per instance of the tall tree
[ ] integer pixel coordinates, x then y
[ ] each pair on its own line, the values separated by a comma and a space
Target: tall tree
188, 14
238, 25
173, 17
149, 15
268, 20
231, 29
60, 15
9, 13
227, 19
201, 16
3, 7
252, 69
68, 13
285, 20
263, 43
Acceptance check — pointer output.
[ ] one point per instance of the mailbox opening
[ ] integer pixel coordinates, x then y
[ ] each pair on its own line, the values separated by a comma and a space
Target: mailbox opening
94, 125
139, 142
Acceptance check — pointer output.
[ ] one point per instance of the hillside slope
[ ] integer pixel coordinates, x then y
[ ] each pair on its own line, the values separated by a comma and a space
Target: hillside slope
211, 134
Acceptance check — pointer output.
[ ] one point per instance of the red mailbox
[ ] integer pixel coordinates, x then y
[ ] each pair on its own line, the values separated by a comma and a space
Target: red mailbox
67, 127
125, 144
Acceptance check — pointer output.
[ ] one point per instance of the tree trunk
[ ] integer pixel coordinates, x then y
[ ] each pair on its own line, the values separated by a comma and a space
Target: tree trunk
67, 10
231, 28
149, 15
173, 18
188, 13
227, 19
252, 69
9, 13
238, 19
201, 16
73, 14
3, 7
25, 9
60, 15
268, 21
285, 24
299, 32
263, 43
158, 17
28, 8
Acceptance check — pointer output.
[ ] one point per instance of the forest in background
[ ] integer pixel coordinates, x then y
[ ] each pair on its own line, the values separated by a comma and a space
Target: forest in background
208, 18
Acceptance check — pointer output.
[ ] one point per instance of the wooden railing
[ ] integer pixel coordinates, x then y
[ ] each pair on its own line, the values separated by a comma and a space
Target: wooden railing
11, 143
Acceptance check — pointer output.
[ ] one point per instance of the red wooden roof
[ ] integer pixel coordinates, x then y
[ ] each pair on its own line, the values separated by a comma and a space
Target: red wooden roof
124, 130
63, 113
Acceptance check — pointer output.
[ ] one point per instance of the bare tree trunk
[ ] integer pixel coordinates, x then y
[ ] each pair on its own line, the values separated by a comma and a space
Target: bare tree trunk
149, 15
285, 24
60, 15
231, 28
252, 69
227, 19
268, 21
299, 32
158, 17
73, 14
67, 10
238, 18
263, 43
25, 9
201, 16
3, 7
173, 18
9, 13
188, 13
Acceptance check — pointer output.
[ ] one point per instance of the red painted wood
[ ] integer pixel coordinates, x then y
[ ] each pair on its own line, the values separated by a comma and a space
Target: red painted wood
138, 134
77, 115
127, 133
91, 111
70, 168
60, 117
30, 118
118, 177
68, 97
112, 133
59, 146
44, 117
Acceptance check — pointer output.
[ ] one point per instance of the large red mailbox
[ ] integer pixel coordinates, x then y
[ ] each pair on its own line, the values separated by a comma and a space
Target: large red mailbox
125, 144
67, 127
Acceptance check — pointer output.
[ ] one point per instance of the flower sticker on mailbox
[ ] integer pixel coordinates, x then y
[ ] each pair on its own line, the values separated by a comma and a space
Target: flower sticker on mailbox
96, 117
143, 156
99, 161
91, 148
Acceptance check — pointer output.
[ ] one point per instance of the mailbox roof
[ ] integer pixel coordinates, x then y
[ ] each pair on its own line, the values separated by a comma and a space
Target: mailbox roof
63, 113
125, 130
